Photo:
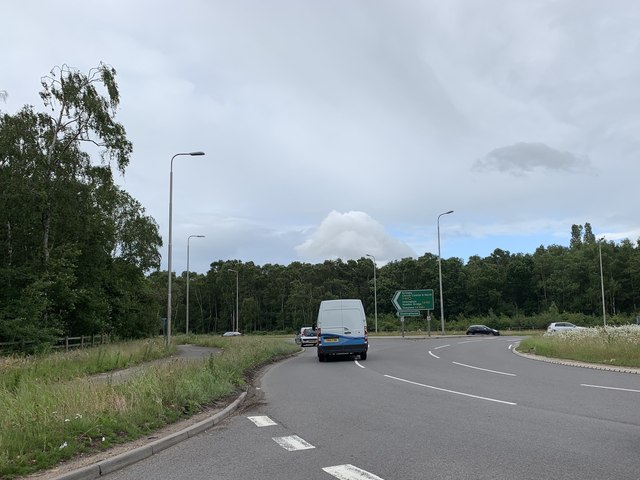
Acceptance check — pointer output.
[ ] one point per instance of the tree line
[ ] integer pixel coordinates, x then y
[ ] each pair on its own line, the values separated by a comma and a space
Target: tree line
501, 285
79, 255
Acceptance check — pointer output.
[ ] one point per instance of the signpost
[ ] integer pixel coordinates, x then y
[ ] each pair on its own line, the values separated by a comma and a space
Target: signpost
408, 303
413, 300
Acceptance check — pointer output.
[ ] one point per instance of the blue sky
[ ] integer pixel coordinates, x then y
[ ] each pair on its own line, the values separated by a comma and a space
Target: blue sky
335, 129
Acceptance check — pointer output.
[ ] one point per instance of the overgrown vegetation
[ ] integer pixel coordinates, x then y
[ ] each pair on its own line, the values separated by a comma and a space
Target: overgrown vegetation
52, 409
618, 346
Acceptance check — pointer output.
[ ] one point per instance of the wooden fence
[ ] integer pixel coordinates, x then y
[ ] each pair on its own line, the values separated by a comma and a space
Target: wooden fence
64, 343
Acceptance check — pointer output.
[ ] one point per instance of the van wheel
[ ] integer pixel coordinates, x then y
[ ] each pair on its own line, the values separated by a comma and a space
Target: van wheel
363, 355
321, 357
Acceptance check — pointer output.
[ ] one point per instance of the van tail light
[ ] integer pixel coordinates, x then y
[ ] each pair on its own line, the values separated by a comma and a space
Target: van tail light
319, 335
366, 334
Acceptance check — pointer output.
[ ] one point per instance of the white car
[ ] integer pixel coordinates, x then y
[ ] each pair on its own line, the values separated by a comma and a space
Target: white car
562, 327
307, 336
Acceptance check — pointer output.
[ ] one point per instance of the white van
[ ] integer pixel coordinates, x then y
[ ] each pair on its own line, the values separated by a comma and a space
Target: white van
342, 329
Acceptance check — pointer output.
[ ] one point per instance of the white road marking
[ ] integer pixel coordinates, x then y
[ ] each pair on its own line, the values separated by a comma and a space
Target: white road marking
262, 421
485, 369
431, 353
451, 391
442, 346
350, 472
358, 364
293, 443
610, 388
469, 341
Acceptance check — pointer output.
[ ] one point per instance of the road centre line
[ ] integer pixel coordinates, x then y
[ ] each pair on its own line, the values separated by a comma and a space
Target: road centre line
358, 364
442, 346
485, 369
451, 391
431, 353
469, 341
350, 472
610, 388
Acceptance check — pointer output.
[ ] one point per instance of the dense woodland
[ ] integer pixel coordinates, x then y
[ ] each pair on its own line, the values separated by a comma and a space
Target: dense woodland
79, 256
505, 289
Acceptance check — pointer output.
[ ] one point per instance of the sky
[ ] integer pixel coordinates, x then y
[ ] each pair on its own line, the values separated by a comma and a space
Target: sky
341, 128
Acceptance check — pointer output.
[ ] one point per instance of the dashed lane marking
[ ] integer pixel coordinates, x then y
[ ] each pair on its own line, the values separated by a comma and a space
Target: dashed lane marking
485, 369
610, 388
262, 421
350, 472
451, 391
293, 443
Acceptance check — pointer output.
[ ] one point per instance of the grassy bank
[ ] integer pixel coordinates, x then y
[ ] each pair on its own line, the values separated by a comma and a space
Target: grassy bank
619, 346
52, 409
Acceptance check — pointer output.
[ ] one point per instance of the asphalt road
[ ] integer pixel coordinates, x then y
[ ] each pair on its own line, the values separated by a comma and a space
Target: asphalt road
447, 408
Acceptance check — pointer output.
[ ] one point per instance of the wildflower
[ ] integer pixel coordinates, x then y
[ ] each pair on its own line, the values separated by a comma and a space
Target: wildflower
66, 420
78, 416
64, 445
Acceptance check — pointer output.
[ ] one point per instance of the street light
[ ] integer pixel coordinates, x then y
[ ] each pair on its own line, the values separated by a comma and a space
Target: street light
187, 314
440, 271
604, 311
193, 154
375, 291
237, 311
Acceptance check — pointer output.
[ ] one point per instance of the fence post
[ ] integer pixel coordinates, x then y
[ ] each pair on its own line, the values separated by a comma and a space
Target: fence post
66, 343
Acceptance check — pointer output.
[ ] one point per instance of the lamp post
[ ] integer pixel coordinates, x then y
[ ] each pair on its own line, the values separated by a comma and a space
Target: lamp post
187, 313
440, 271
604, 310
193, 154
237, 311
375, 291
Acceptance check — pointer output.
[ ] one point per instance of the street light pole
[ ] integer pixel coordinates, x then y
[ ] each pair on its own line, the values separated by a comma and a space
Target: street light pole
375, 291
193, 154
237, 311
187, 313
440, 271
604, 310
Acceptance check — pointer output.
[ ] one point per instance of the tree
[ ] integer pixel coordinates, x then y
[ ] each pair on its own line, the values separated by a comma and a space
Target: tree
73, 246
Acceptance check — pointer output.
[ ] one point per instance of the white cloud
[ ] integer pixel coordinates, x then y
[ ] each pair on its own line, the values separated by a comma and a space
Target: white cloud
352, 235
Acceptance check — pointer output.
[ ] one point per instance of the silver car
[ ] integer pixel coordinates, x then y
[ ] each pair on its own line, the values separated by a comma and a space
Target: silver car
562, 327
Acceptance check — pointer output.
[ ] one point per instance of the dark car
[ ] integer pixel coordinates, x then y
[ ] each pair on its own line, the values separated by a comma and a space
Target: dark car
481, 330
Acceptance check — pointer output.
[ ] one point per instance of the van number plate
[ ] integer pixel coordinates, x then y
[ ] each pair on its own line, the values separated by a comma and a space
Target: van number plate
331, 340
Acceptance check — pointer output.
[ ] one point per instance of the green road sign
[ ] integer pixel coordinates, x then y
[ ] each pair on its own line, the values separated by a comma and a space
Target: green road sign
413, 300
408, 313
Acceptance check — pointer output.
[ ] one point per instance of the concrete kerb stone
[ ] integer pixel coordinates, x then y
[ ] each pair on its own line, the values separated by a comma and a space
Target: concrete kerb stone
118, 462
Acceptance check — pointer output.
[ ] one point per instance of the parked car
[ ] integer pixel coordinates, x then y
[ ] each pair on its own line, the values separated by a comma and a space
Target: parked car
562, 327
482, 330
231, 334
307, 336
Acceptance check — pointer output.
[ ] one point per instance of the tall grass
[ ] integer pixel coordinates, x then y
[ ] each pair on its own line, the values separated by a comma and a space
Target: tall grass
619, 346
52, 413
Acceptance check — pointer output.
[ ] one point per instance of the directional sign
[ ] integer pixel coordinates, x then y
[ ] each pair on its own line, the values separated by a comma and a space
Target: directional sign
408, 313
413, 300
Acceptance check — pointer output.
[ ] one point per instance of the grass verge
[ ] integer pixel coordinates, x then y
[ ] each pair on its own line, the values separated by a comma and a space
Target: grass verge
619, 346
52, 409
